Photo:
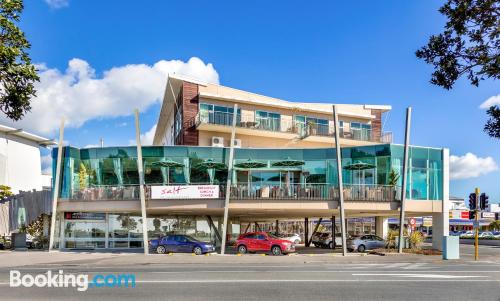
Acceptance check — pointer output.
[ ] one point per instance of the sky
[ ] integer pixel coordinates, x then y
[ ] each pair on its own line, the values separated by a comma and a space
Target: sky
99, 60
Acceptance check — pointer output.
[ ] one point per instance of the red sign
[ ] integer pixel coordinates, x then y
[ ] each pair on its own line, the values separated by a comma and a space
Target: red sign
464, 214
413, 222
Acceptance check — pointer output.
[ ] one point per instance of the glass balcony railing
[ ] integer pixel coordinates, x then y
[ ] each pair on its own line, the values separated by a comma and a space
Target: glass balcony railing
288, 126
263, 191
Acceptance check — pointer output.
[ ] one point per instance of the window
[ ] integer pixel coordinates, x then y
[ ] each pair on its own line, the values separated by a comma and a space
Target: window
361, 131
216, 114
311, 126
261, 237
268, 121
178, 122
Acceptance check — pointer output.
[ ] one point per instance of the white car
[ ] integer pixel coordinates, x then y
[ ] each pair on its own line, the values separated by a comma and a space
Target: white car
295, 238
486, 234
468, 234
338, 241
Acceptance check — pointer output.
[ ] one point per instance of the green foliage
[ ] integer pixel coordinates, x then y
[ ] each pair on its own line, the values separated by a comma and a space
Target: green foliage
492, 127
391, 237
5, 192
17, 74
416, 239
83, 177
393, 177
494, 225
469, 45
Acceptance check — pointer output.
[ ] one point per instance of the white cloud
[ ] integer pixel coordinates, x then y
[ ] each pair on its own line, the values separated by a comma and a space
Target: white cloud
55, 4
46, 164
146, 138
80, 95
493, 100
470, 166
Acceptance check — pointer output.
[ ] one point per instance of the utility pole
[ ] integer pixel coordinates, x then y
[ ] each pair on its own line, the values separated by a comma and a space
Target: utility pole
340, 182
403, 188
476, 226
228, 185
140, 170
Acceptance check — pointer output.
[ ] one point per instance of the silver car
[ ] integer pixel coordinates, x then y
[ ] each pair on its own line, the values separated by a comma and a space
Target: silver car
365, 242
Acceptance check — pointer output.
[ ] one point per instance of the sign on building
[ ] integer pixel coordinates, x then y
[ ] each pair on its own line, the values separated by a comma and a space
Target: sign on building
185, 192
85, 216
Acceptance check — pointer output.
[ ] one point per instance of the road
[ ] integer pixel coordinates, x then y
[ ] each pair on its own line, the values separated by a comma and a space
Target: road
276, 278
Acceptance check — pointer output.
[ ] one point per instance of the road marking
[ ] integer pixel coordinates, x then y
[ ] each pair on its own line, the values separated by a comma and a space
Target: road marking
436, 276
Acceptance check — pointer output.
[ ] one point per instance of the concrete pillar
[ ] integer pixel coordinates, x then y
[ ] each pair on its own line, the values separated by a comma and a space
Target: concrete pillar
441, 220
381, 226
46, 225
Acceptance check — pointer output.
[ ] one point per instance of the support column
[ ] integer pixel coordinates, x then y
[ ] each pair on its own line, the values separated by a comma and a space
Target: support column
46, 225
140, 170
441, 221
403, 186
306, 232
228, 185
338, 155
381, 226
333, 232
56, 188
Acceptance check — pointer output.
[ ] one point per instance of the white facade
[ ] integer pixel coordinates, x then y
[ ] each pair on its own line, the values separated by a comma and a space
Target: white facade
20, 161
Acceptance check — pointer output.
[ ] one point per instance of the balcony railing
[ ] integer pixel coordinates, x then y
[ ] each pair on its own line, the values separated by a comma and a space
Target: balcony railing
377, 193
288, 126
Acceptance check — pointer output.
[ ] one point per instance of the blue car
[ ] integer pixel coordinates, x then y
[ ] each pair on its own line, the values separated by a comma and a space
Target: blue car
180, 244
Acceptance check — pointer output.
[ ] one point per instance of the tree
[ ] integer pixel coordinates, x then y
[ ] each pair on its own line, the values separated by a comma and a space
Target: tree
469, 46
5, 192
492, 127
494, 225
17, 74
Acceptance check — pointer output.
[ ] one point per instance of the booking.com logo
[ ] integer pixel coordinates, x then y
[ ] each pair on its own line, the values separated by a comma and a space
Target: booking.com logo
79, 281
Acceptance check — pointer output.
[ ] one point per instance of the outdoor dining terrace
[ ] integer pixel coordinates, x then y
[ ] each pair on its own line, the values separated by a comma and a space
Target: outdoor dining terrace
300, 192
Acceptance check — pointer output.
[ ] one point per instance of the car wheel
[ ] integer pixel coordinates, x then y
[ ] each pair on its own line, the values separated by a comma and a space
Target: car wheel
161, 250
330, 245
276, 250
242, 249
361, 248
197, 250
297, 241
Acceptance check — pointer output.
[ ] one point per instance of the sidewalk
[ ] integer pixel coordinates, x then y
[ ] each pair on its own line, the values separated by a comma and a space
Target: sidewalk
57, 258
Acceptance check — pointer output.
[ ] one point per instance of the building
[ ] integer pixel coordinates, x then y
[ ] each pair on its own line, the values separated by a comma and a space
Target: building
284, 172
20, 165
197, 113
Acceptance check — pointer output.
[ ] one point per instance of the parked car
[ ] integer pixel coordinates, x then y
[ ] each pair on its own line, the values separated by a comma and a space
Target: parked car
180, 244
295, 238
263, 242
319, 238
365, 242
496, 234
328, 242
485, 234
468, 234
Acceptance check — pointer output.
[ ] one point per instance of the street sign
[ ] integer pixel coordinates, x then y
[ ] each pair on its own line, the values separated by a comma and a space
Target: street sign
427, 222
488, 215
413, 222
476, 224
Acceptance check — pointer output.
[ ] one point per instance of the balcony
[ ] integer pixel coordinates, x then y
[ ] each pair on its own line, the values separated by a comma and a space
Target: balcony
289, 128
299, 192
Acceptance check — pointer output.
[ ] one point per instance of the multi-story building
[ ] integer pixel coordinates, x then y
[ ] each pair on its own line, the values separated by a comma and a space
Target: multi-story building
196, 113
20, 166
284, 172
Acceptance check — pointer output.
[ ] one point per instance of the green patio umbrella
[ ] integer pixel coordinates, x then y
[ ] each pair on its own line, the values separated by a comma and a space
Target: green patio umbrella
358, 165
167, 163
249, 164
211, 167
288, 162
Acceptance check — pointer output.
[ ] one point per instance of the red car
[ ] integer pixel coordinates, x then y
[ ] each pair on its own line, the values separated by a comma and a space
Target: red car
263, 242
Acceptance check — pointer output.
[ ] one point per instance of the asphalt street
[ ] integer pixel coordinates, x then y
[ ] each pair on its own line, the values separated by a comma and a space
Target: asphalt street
283, 278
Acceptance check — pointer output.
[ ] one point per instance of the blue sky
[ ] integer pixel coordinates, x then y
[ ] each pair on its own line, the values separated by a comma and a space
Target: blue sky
327, 51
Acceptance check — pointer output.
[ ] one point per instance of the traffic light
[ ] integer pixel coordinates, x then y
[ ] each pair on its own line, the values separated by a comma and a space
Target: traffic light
472, 201
483, 201
472, 214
